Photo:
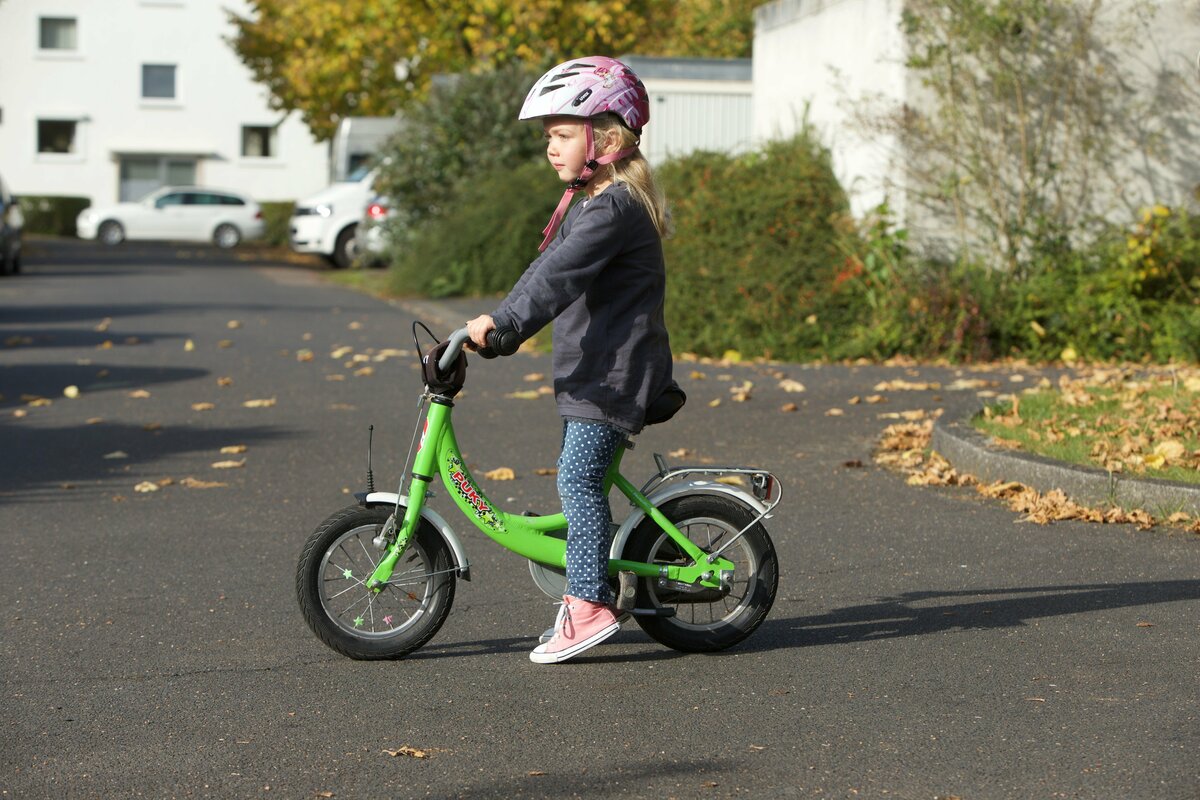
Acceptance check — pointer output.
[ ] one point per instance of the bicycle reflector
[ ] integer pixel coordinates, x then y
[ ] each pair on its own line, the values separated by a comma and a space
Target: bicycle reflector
762, 483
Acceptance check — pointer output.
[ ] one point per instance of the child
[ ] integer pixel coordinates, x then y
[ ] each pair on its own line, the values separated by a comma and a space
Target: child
601, 279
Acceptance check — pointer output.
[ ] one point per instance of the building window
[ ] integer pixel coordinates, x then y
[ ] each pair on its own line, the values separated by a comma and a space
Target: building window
57, 33
158, 81
258, 141
56, 136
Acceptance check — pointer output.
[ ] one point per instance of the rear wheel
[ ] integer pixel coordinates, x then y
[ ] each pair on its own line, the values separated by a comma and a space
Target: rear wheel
226, 236
111, 232
335, 564
706, 620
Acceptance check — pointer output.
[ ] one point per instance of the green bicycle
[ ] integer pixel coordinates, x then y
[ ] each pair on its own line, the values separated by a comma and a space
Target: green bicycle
691, 562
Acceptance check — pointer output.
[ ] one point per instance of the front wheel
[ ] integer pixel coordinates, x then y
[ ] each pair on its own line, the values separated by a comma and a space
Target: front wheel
335, 564
111, 232
706, 620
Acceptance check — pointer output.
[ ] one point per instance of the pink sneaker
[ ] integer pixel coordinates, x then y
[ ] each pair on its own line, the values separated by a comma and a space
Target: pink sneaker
581, 625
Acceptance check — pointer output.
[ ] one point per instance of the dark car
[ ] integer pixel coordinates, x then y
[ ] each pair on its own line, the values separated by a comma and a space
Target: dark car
11, 223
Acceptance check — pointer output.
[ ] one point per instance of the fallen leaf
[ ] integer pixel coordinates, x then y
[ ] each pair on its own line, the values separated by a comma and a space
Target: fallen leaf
224, 344
225, 381
189, 346
791, 386
500, 474
229, 464
529, 394
835, 412
40, 402
325, 794
1170, 449
901, 385
93, 420
196, 483
546, 471
341, 352
405, 750
697, 375
152, 426
262, 403
535, 773
732, 356
335, 377
116, 454
682, 452
71, 392
202, 406
233, 324
1145, 624
139, 394
304, 355
854, 463
233, 449
714, 403
103, 326
105, 345
19, 412
741, 393
534, 377
355, 326
787, 408
146, 486
364, 372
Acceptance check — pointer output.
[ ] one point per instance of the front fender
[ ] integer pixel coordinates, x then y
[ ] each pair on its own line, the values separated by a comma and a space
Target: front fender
432, 517
667, 493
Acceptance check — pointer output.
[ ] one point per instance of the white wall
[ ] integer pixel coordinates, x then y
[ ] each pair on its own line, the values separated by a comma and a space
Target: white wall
100, 85
821, 55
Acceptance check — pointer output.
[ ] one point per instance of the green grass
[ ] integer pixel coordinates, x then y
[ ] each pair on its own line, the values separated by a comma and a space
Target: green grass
1142, 427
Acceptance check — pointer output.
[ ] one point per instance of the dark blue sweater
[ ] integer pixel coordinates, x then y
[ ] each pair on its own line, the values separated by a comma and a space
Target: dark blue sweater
602, 281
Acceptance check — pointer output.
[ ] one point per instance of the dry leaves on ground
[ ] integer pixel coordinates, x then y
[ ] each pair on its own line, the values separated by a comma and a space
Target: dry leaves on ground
905, 447
500, 474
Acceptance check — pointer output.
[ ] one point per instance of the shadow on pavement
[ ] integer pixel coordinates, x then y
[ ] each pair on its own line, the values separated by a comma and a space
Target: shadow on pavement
49, 380
912, 613
49, 458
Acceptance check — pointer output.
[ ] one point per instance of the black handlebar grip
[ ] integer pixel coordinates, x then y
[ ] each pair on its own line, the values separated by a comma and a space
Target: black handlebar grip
500, 343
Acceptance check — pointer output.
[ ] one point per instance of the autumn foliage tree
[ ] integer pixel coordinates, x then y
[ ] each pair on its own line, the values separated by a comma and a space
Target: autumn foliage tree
329, 59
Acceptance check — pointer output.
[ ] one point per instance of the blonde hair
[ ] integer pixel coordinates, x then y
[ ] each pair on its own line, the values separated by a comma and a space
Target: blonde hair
634, 170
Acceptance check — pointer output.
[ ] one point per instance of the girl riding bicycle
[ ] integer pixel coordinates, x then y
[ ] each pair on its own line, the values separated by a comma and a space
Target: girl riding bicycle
601, 279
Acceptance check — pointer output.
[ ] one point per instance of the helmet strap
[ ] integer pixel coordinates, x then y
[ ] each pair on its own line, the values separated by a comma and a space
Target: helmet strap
589, 169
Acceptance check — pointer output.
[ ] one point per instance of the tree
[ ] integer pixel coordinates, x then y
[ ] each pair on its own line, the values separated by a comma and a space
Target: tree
705, 29
330, 59
1039, 121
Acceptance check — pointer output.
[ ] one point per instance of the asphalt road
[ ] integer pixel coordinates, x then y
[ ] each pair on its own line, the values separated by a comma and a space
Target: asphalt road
923, 643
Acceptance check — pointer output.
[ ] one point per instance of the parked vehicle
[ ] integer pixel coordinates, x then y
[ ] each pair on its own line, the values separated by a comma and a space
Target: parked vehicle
176, 213
12, 224
375, 234
327, 222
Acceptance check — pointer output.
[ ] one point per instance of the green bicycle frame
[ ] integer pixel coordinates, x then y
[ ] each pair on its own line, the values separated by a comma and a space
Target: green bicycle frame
439, 454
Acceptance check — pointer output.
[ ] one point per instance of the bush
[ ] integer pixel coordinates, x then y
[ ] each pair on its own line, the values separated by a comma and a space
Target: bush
755, 260
52, 216
464, 129
489, 239
277, 217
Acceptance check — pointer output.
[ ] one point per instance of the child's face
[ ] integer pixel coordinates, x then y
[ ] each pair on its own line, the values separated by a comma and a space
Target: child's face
566, 146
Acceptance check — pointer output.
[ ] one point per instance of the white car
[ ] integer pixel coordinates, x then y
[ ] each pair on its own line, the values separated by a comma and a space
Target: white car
327, 222
373, 233
176, 213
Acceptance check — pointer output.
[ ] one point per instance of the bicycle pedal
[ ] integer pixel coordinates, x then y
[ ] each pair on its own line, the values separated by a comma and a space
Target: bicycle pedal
627, 593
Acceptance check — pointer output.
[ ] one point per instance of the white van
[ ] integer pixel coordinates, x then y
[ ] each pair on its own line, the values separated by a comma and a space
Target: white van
327, 222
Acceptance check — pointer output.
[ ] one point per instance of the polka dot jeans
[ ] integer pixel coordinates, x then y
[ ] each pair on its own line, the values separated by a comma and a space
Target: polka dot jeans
588, 449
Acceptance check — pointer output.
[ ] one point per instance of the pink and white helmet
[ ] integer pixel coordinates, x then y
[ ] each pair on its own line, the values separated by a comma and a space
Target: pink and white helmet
587, 87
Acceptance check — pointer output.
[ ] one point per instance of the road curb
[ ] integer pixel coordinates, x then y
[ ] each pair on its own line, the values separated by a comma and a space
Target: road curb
972, 452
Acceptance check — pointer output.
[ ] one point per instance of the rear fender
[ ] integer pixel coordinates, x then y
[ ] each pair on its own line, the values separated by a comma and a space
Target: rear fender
432, 517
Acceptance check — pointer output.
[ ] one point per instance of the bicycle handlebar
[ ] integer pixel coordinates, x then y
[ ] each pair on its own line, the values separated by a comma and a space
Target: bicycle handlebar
501, 342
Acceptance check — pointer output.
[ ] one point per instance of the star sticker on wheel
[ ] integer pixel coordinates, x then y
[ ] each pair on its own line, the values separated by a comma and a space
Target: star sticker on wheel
346, 573
358, 621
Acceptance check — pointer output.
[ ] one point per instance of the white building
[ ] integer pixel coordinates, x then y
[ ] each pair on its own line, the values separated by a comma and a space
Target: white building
822, 58
110, 100
695, 104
